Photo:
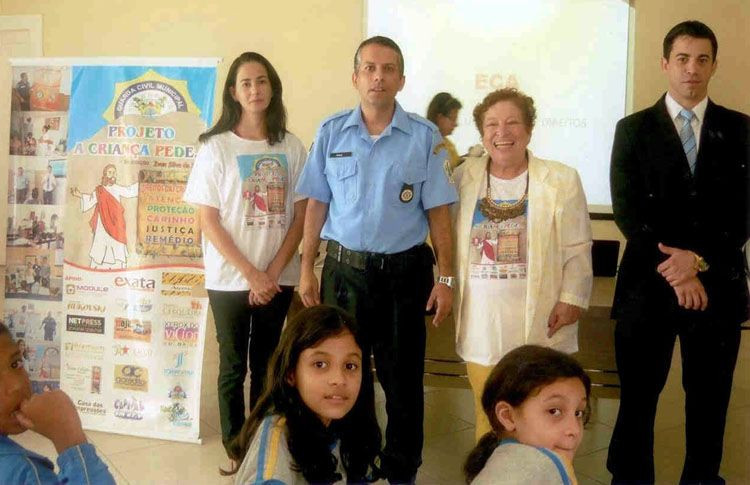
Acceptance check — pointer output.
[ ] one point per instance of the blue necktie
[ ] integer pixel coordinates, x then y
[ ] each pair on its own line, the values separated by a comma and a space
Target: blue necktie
687, 136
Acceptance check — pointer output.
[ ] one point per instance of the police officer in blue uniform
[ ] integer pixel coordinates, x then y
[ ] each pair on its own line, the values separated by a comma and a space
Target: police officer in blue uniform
376, 183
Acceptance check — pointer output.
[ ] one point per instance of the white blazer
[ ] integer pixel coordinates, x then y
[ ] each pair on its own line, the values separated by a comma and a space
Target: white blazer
559, 245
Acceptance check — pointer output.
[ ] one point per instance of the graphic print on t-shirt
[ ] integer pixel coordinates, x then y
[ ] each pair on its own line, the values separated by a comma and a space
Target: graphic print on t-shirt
265, 180
498, 249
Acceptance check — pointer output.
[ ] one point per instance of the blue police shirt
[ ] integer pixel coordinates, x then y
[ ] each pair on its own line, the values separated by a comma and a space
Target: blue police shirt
377, 191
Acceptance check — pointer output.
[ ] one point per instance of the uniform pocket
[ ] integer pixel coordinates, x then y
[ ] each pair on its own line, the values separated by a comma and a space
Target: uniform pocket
408, 185
342, 178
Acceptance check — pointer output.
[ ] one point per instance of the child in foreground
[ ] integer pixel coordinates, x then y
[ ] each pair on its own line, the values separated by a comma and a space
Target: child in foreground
52, 415
536, 399
315, 421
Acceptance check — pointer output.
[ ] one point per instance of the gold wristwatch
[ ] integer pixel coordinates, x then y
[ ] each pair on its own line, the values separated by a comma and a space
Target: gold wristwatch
700, 264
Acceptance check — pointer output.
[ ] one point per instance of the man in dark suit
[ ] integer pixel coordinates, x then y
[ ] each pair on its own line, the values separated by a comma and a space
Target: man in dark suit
679, 179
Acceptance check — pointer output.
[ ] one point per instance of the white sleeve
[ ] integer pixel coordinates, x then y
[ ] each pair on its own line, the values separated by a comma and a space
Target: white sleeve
203, 186
297, 162
88, 201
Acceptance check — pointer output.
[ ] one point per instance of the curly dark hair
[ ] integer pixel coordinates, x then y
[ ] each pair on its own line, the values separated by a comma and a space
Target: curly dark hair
307, 438
522, 101
231, 111
517, 376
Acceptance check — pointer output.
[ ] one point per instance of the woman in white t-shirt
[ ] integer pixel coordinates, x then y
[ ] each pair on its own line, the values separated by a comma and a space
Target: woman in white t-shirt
523, 245
247, 162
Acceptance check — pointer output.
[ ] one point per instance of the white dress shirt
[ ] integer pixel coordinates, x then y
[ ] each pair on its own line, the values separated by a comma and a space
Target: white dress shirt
674, 108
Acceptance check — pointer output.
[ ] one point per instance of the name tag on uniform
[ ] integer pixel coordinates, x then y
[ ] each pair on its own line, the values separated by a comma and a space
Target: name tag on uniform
340, 154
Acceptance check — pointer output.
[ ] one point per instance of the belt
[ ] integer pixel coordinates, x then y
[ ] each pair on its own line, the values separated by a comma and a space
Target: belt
363, 259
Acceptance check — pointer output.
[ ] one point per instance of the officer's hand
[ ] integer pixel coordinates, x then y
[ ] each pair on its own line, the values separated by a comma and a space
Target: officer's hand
442, 296
691, 295
308, 289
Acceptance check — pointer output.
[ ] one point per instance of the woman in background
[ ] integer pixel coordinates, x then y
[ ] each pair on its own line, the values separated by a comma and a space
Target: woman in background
443, 111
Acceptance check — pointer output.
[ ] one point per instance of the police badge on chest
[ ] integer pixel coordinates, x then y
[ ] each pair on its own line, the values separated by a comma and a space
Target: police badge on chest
407, 193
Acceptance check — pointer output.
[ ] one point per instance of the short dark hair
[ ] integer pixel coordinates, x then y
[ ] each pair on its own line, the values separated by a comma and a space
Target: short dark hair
4, 331
382, 41
442, 104
691, 28
522, 101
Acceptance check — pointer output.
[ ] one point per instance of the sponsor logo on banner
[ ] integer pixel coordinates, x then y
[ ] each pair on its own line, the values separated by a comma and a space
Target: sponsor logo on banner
78, 306
131, 377
87, 351
178, 366
137, 284
141, 305
85, 324
172, 310
177, 393
76, 377
181, 334
132, 329
86, 289
180, 284
150, 95
129, 408
178, 414
137, 352
96, 379
91, 407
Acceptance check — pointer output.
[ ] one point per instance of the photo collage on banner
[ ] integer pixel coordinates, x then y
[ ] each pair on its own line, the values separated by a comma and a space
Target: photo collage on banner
37, 183
135, 306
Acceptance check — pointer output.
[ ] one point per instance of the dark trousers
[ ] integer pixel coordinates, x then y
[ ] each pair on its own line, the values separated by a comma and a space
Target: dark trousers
389, 305
243, 329
643, 351
21, 195
47, 197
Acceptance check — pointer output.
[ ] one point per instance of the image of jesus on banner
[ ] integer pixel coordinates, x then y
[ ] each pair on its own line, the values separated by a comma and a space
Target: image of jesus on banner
109, 247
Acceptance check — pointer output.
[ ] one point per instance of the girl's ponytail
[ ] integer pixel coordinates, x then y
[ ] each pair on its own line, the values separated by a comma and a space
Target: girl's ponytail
479, 455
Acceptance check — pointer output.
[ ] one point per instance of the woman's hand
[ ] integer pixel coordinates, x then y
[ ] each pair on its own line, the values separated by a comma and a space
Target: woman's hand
562, 314
262, 287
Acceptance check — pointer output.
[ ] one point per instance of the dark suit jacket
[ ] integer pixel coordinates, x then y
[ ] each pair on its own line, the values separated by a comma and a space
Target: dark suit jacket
655, 199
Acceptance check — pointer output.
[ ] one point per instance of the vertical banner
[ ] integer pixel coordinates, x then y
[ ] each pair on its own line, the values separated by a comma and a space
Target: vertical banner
132, 291
40, 96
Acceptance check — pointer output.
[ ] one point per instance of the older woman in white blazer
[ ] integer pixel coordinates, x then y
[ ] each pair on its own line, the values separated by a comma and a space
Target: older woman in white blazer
523, 245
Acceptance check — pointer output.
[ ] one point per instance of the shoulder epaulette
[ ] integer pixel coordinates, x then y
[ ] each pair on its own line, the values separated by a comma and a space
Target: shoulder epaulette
337, 115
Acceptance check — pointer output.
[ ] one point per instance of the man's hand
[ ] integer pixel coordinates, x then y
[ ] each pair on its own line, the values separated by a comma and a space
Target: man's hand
442, 296
308, 289
679, 267
562, 314
691, 295
53, 415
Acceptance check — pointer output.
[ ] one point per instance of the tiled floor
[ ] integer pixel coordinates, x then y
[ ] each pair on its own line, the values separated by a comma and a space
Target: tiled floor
449, 435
